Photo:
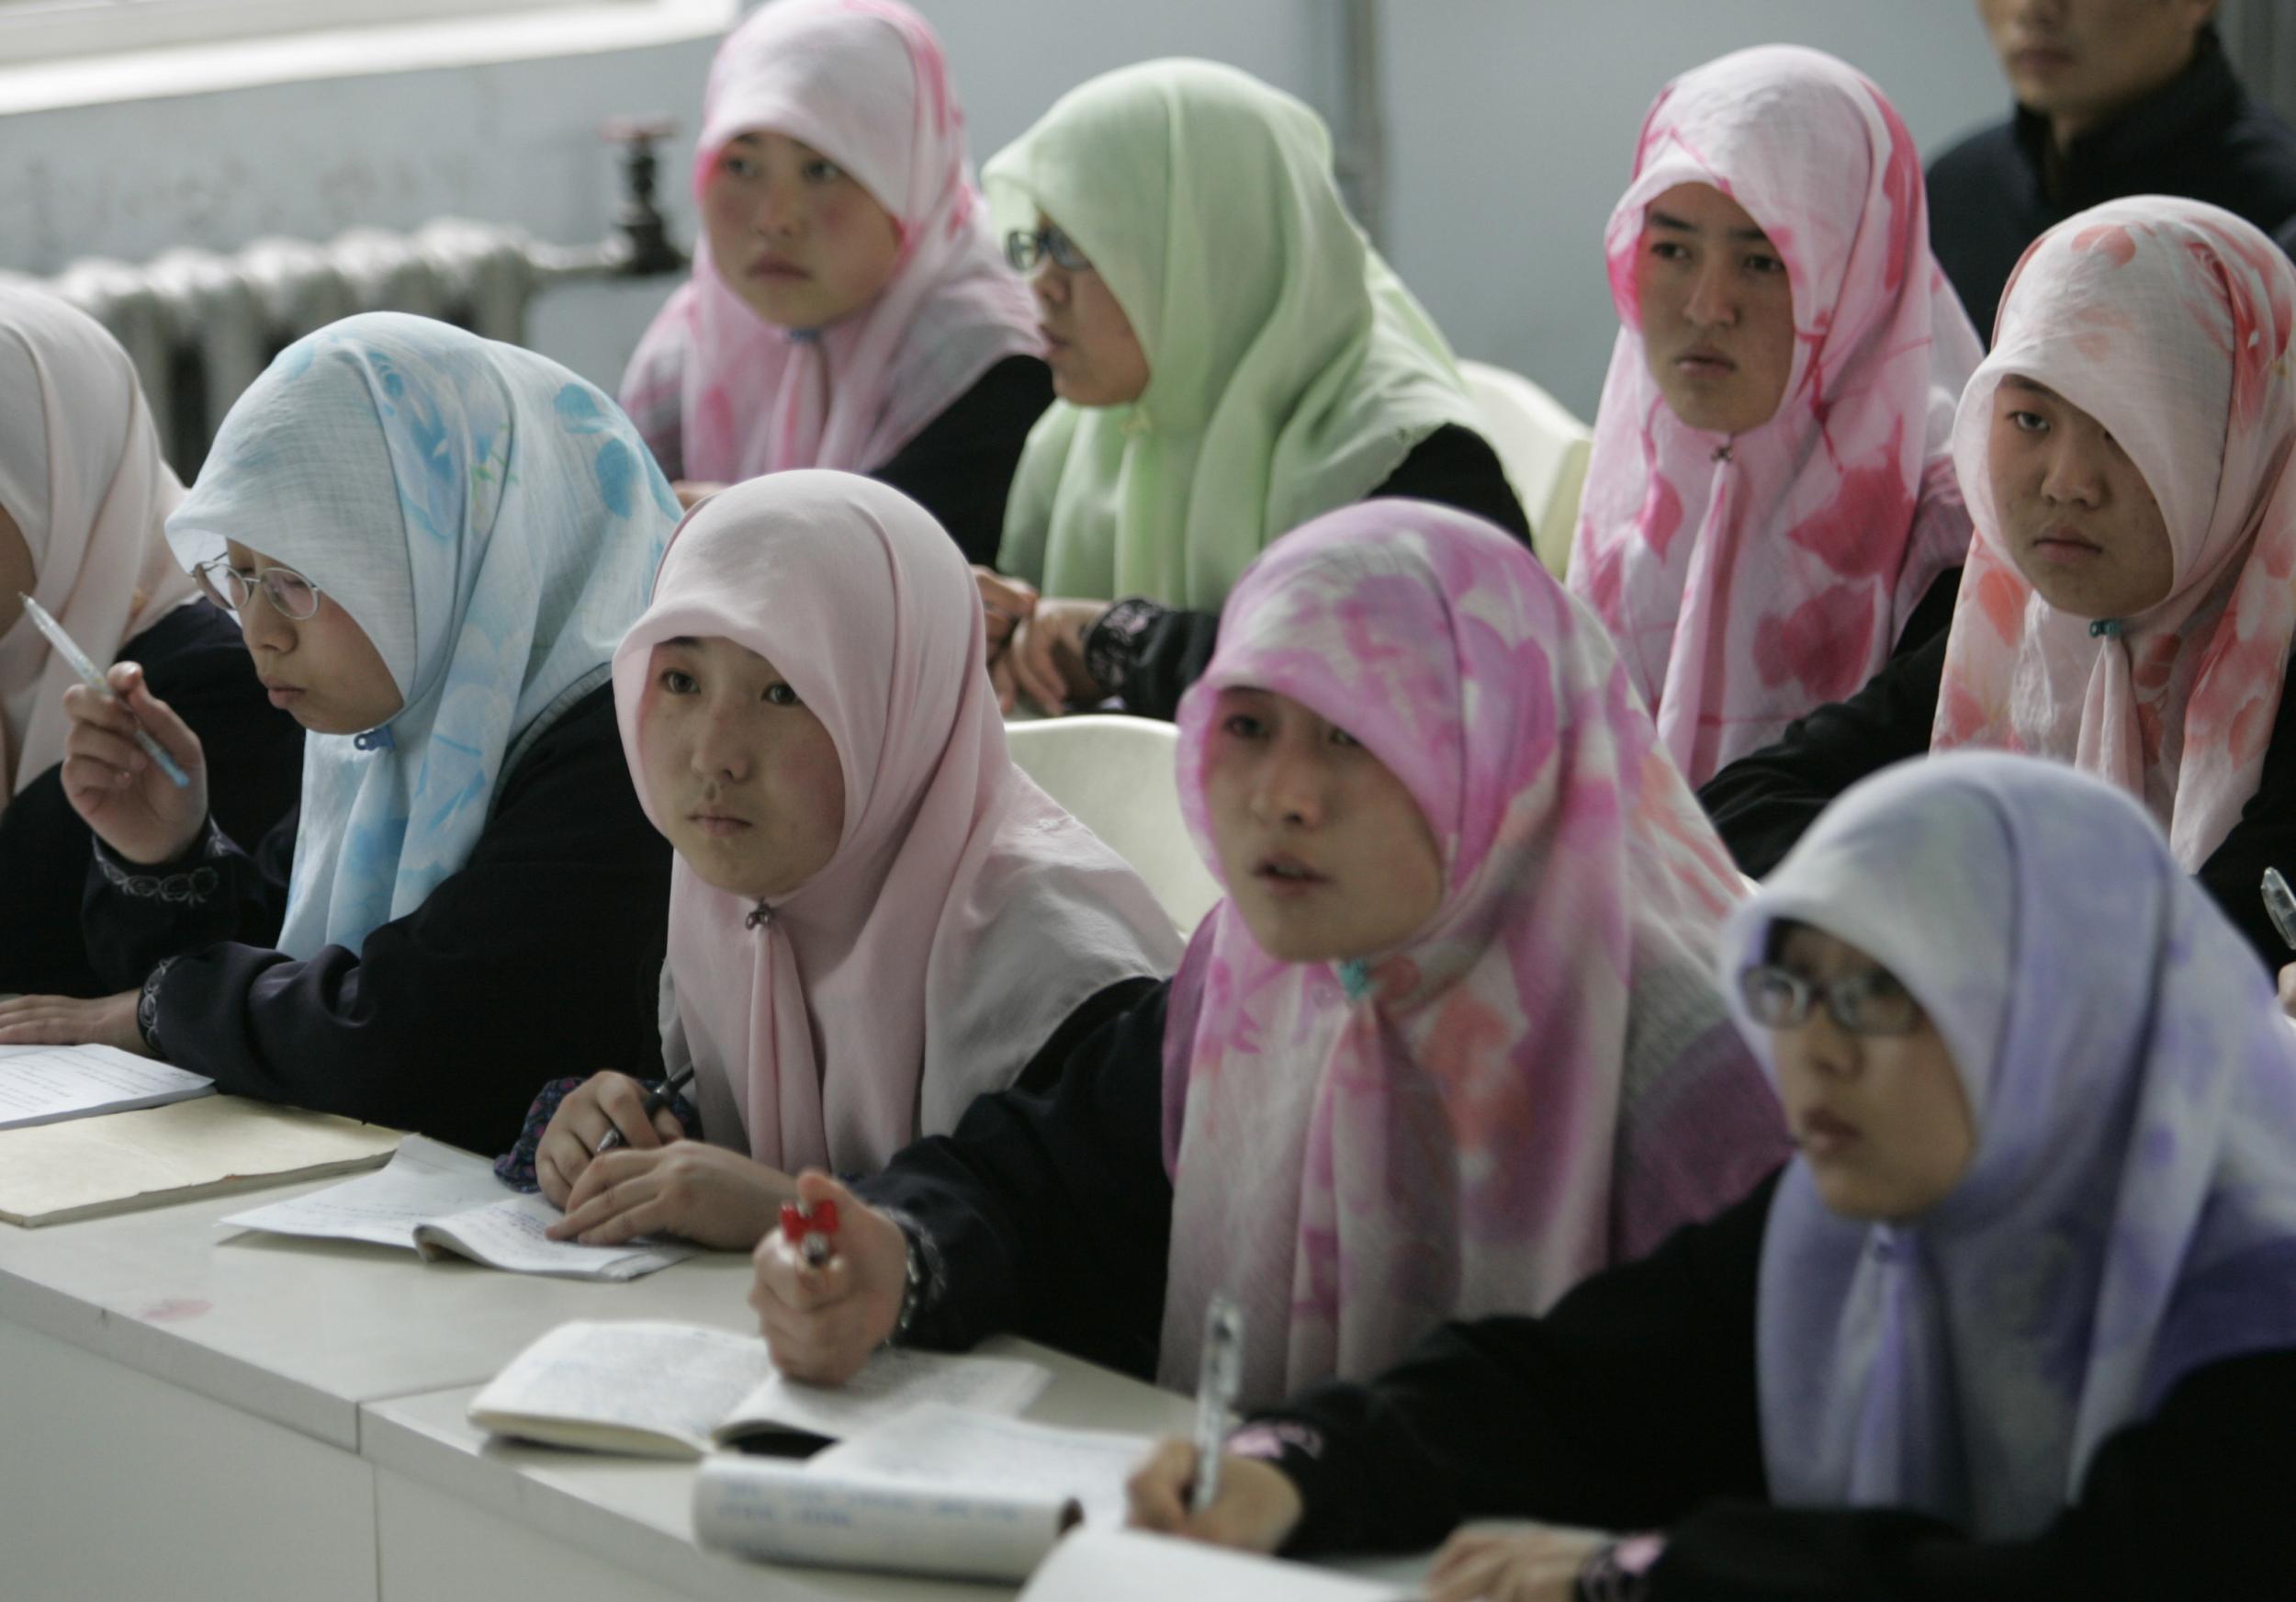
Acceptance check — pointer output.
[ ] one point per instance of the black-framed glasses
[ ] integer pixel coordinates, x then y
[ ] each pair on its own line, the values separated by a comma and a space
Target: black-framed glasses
1868, 1002
1025, 247
291, 596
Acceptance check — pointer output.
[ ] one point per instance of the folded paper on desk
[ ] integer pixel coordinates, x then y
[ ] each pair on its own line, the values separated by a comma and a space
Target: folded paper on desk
436, 1200
90, 1167
936, 1490
47, 1084
1126, 1565
676, 1390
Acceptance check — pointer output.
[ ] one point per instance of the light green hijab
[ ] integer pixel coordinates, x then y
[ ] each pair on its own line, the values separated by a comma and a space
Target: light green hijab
1290, 370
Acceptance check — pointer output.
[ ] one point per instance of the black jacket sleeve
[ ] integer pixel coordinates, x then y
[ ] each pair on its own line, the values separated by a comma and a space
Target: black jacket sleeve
1762, 803
1047, 1213
540, 956
1631, 1403
959, 465
1452, 466
194, 659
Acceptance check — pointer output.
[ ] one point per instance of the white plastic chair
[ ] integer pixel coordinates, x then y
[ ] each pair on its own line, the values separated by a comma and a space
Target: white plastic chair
1543, 448
1117, 775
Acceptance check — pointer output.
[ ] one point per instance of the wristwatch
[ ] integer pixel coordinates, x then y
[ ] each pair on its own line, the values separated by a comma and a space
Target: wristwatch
1620, 1569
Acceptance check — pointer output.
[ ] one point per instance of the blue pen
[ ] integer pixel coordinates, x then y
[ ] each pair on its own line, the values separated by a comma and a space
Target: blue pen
95, 680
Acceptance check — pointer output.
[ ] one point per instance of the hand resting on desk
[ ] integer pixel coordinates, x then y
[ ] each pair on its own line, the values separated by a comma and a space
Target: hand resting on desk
821, 1323
71, 1020
691, 1188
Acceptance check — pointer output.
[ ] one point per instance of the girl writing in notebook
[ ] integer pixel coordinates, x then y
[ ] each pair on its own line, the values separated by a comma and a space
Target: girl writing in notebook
1770, 509
1452, 1043
1221, 379
83, 496
2017, 1321
432, 543
2129, 452
874, 916
849, 307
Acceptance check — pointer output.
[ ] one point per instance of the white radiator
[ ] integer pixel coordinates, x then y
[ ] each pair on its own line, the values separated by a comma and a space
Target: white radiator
200, 326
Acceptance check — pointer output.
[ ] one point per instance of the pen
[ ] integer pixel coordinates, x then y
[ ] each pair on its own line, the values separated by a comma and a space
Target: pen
2281, 905
1216, 1385
657, 1099
813, 1231
94, 679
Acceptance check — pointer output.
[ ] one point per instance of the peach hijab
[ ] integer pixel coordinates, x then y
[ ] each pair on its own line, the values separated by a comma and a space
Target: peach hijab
2169, 321
1748, 579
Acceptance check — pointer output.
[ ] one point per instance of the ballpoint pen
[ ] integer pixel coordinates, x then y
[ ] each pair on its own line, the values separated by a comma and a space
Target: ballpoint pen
656, 1099
1216, 1385
92, 677
2282, 904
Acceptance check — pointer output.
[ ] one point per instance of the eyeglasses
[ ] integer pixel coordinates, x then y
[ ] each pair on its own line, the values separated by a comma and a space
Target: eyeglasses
291, 596
1868, 1002
1024, 248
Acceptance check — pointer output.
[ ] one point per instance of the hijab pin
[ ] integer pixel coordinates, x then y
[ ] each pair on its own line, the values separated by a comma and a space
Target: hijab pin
1354, 977
374, 739
759, 916
1722, 453
2105, 628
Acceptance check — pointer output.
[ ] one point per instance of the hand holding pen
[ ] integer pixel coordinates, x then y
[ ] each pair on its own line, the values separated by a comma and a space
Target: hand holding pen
658, 1100
132, 769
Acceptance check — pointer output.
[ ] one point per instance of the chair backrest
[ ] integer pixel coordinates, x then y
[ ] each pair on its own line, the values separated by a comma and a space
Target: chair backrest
1544, 450
1117, 775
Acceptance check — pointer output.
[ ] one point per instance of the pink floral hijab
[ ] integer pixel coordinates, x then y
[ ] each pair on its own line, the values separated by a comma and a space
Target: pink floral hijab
2169, 321
1544, 1080
721, 394
964, 915
1750, 579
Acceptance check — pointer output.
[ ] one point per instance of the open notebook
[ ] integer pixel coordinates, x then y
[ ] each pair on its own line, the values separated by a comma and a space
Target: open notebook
437, 1200
936, 1490
676, 1390
46, 1084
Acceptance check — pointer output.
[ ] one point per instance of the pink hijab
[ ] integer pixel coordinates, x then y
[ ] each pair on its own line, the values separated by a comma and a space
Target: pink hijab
1544, 1079
2169, 321
963, 916
718, 392
1750, 579
82, 474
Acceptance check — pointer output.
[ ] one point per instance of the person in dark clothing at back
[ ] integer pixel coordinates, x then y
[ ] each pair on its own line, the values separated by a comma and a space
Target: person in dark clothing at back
2114, 97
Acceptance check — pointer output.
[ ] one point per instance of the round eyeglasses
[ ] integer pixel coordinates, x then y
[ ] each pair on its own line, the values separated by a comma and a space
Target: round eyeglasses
291, 596
1869, 1002
1025, 247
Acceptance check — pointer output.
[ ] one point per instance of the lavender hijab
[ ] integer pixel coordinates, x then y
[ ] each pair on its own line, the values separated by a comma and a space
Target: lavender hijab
2128, 1214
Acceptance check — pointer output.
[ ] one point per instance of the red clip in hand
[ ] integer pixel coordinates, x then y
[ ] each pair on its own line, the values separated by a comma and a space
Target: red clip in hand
813, 1232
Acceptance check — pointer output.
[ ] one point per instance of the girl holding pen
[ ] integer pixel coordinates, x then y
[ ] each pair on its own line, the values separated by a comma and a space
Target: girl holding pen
2016, 1322
1453, 1042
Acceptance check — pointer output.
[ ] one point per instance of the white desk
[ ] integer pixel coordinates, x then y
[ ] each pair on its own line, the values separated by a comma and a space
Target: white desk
180, 1406
460, 1515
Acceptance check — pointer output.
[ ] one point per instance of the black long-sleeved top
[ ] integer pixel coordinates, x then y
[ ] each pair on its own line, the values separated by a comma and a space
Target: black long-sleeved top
194, 659
1762, 802
961, 465
1048, 1212
2200, 136
542, 954
1152, 653
1633, 1404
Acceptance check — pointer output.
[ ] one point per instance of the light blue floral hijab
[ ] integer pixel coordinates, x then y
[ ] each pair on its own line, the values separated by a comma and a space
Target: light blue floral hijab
489, 520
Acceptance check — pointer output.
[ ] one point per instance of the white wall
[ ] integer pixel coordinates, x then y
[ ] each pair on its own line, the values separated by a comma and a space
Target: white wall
1511, 130
1510, 125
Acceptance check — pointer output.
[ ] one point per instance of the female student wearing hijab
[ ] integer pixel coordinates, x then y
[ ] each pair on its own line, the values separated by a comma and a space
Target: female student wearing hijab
432, 543
2017, 1321
2126, 450
851, 308
84, 495
874, 916
84, 498
1453, 1042
1770, 509
1232, 358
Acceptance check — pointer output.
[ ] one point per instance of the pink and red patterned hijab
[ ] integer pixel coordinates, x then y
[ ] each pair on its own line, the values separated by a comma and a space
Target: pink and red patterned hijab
1543, 1081
719, 394
2169, 321
1748, 579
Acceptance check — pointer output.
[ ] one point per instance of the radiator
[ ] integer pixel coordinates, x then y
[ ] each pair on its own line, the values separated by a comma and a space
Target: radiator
201, 326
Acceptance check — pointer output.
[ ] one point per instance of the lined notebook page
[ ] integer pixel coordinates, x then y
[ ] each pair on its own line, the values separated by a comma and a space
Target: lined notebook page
46, 1084
677, 1380
790, 1513
937, 1444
